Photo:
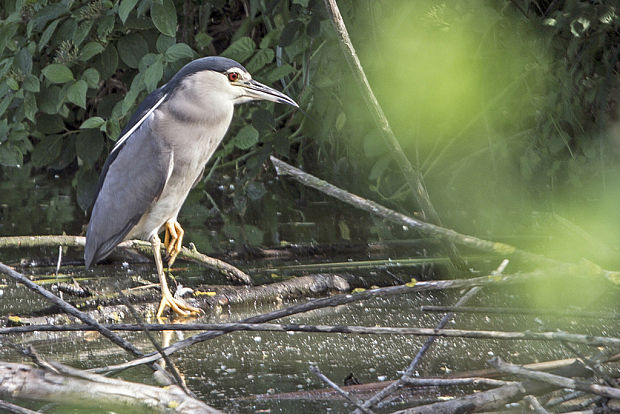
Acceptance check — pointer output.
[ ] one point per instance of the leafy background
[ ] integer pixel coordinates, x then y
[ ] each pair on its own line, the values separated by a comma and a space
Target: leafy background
517, 118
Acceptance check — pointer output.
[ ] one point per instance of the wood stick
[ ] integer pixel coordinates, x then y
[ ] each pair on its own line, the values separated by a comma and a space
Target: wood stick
141, 246
502, 249
446, 382
90, 390
351, 329
412, 176
315, 370
556, 380
534, 405
15, 409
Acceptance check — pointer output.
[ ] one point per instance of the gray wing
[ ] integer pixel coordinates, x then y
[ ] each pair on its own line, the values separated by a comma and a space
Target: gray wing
133, 180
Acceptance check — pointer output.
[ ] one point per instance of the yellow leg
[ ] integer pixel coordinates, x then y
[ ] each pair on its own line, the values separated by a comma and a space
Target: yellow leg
178, 306
173, 240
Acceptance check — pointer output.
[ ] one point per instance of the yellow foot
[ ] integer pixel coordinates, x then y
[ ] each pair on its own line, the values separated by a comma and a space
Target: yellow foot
178, 306
173, 240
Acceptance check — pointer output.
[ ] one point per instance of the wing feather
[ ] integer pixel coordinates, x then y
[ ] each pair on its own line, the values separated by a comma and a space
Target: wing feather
134, 178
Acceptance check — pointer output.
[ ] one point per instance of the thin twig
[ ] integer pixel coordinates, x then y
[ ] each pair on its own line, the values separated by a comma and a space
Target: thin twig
446, 382
412, 176
315, 370
15, 409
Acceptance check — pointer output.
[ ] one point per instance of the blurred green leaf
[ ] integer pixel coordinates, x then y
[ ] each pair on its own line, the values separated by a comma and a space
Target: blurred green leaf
164, 17
255, 190
57, 73
107, 62
30, 106
31, 83
279, 72
246, 137
288, 33
47, 34
240, 50
23, 61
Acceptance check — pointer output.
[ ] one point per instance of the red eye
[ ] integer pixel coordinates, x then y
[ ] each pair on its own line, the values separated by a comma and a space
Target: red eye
233, 76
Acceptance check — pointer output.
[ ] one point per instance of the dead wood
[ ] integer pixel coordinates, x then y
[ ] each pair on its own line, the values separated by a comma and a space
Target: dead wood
567, 313
91, 390
131, 246
556, 380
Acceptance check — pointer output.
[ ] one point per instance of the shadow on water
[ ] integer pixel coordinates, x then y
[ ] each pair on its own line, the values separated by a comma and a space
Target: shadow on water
228, 371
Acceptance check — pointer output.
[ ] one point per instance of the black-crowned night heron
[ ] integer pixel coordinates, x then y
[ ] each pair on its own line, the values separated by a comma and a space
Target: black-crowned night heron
161, 155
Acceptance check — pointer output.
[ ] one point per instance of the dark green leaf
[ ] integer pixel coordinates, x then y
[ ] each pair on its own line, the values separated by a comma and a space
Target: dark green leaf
47, 34
279, 72
88, 146
50, 124
131, 48
46, 151
31, 83
50, 99
66, 31
30, 106
263, 120
91, 76
289, 32
105, 27
77, 93
179, 51
164, 17
253, 234
125, 8
82, 32
57, 73
164, 42
246, 137
240, 50
7, 31
262, 58
107, 62
10, 155
203, 40
23, 61
89, 50
48, 13
153, 75
12, 83
380, 166
93, 122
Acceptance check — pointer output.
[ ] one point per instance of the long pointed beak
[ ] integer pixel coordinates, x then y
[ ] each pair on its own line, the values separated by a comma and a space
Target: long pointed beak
257, 90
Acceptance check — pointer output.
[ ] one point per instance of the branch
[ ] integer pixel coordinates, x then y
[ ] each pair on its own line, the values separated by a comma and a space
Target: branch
412, 176
556, 380
91, 390
344, 329
315, 370
503, 249
141, 246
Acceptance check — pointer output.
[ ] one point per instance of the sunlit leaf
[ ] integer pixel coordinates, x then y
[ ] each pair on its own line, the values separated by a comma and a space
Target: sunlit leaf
57, 73
246, 137
240, 50
77, 93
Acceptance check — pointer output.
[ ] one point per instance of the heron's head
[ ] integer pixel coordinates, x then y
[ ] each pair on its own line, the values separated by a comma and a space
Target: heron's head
224, 81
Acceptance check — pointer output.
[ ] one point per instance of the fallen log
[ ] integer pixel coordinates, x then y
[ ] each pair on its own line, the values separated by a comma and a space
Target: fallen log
91, 390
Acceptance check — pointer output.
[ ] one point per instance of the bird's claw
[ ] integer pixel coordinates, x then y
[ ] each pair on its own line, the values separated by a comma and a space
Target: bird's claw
178, 306
173, 240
